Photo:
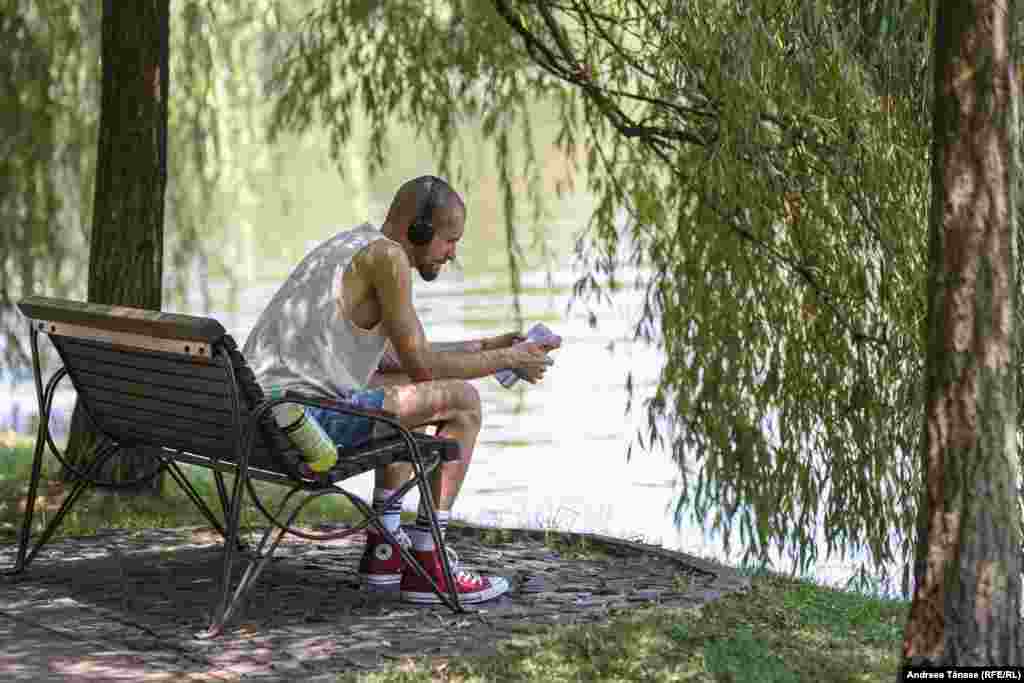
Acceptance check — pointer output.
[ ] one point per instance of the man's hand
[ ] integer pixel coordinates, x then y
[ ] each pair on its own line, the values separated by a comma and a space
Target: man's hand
502, 341
532, 359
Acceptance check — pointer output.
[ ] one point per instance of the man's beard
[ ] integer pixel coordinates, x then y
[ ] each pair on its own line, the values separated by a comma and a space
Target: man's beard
429, 275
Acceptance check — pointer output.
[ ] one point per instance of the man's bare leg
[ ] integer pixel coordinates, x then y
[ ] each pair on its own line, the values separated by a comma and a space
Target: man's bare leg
391, 477
454, 402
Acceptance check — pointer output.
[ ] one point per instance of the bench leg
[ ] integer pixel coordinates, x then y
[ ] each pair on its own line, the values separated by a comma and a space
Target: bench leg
259, 563
186, 486
30, 503
277, 516
256, 566
183, 482
263, 553
230, 547
102, 455
427, 496
222, 492
226, 607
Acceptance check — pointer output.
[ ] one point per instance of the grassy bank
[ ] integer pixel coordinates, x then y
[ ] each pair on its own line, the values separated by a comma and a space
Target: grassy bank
782, 630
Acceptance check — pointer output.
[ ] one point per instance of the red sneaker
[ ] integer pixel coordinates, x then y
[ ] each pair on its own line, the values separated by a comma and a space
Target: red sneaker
471, 587
381, 564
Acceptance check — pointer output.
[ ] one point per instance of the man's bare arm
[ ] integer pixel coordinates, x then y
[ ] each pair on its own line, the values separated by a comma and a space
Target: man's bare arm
390, 364
472, 346
392, 280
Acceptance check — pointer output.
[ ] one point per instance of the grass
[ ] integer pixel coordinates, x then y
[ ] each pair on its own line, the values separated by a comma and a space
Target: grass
566, 546
783, 630
98, 510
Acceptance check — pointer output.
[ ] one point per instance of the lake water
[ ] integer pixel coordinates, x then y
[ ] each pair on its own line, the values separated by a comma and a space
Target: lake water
549, 455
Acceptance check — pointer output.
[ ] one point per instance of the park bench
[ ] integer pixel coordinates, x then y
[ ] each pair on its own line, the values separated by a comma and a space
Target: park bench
177, 388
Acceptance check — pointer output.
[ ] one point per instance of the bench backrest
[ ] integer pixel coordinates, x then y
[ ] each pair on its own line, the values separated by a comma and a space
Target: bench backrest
158, 379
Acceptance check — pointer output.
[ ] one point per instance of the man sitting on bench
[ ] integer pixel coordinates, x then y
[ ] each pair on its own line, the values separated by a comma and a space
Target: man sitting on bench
343, 324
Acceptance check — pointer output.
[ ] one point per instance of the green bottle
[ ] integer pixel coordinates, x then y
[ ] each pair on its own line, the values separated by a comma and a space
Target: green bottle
317, 449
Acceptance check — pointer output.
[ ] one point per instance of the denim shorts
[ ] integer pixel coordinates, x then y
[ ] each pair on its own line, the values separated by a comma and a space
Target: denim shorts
347, 430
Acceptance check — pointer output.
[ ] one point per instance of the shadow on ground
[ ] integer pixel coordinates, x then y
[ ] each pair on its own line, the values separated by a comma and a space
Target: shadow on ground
127, 605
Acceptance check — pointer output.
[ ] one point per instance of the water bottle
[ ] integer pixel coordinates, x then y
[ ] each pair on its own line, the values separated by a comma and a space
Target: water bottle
540, 334
317, 450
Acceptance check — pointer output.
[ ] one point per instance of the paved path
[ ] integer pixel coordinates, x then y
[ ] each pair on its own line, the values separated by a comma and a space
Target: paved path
125, 606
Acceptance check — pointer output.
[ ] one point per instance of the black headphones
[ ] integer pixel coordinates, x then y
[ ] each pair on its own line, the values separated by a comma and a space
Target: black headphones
421, 230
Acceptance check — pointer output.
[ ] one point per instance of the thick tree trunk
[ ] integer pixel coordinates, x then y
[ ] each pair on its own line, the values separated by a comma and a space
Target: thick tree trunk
967, 598
126, 244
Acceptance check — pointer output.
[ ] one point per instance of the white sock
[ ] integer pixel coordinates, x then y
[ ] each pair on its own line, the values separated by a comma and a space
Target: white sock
390, 516
420, 534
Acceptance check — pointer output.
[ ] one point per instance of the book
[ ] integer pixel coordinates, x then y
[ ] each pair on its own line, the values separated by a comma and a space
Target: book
539, 334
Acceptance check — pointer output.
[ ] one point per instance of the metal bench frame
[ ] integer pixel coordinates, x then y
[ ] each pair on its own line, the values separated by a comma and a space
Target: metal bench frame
113, 345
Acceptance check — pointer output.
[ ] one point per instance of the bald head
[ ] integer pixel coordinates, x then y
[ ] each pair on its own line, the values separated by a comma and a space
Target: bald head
411, 200
432, 200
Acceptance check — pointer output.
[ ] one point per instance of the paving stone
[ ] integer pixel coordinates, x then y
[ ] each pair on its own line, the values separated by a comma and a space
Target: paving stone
151, 592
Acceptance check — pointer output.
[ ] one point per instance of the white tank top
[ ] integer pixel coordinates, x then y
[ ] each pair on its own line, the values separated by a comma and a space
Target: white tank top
304, 340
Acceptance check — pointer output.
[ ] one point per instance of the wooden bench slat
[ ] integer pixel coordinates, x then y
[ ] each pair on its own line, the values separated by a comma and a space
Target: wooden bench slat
179, 390
208, 417
145, 418
124, 429
89, 352
98, 387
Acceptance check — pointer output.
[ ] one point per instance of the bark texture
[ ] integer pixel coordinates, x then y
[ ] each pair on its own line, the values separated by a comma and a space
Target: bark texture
126, 243
966, 602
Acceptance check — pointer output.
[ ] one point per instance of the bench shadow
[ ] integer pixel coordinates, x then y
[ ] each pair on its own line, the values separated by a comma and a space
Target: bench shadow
174, 592
306, 615
153, 593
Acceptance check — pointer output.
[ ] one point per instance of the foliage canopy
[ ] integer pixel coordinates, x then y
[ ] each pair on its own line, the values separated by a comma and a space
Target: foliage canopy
50, 70
762, 170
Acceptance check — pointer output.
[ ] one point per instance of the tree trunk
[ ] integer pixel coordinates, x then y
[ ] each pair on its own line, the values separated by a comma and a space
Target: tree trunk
966, 604
126, 244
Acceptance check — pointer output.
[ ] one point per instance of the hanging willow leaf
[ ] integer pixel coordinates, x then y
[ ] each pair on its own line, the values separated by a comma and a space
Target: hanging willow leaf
770, 162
